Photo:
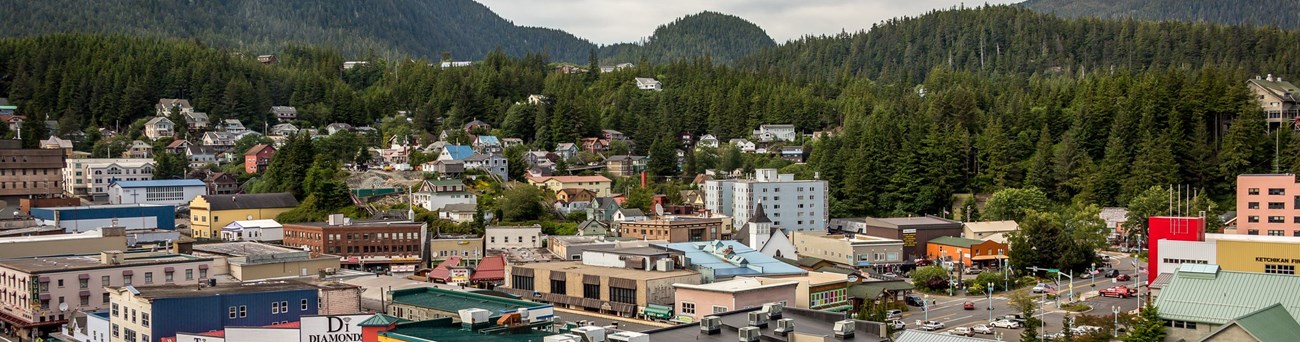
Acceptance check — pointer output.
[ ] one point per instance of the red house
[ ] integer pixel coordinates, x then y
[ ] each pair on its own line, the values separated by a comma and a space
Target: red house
257, 157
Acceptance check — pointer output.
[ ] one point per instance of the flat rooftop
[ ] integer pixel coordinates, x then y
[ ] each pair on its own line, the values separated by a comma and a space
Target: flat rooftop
106, 206
181, 291
454, 301
65, 263
243, 249
447, 330
738, 284
805, 321
628, 273
640, 251
359, 224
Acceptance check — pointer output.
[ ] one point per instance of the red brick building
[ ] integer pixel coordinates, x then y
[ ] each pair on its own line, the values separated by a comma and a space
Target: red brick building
257, 157
378, 246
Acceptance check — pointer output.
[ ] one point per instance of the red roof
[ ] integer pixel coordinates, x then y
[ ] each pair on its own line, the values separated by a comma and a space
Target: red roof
443, 271
257, 149
490, 268
290, 325
214, 333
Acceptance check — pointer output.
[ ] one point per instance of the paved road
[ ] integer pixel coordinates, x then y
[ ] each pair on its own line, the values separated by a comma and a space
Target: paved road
950, 311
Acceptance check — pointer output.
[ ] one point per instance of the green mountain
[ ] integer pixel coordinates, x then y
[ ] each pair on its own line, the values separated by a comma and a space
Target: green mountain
1014, 40
465, 29
721, 37
1280, 13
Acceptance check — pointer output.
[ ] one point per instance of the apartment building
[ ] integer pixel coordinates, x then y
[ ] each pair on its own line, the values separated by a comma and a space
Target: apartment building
30, 172
793, 205
1268, 204
382, 246
92, 176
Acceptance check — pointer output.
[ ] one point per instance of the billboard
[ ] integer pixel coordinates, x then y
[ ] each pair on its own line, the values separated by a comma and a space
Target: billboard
342, 328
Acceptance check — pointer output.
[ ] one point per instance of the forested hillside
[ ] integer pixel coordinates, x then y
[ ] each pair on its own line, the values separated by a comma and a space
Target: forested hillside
1013, 40
721, 37
1280, 13
464, 28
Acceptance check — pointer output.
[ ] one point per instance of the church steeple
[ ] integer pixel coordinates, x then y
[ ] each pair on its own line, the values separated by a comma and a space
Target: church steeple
759, 227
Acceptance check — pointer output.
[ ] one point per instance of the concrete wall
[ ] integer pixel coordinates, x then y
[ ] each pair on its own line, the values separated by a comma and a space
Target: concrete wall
1173, 250
259, 334
661, 291
340, 301
513, 237
21, 247
282, 269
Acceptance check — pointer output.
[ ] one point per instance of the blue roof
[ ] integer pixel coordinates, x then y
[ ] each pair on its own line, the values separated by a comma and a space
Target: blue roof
159, 182
458, 152
741, 261
488, 140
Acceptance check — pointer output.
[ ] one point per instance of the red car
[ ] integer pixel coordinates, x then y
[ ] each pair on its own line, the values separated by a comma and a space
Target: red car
968, 306
1123, 277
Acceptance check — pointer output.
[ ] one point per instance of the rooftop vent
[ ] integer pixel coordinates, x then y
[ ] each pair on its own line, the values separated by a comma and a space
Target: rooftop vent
710, 325
629, 336
784, 326
844, 329
758, 319
749, 334
590, 333
773, 310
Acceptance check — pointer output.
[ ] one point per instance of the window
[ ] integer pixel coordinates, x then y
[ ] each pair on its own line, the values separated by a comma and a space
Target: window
189, 274
275, 308
232, 315
115, 330
521, 282
85, 300
144, 319
304, 305
1276, 205
148, 278
1252, 232
1295, 233
1276, 191
104, 281
60, 283
83, 283
1272, 232
688, 308
243, 311
1252, 191
591, 291
622, 295
169, 276
1252, 219
1276, 219
284, 306
128, 334
559, 286
1279, 269
106, 298
719, 309
203, 273
1252, 205
115, 310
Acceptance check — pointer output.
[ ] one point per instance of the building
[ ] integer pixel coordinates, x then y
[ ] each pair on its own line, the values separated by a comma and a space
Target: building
571, 247
1277, 99
252, 261
196, 120
854, 251
673, 229
768, 133
149, 313
173, 192
199, 155
598, 184
495, 164
916, 335
31, 172
56, 143
86, 218
159, 127
1231, 252
284, 113
1268, 205
566, 151
468, 248
965, 251
39, 286
210, 213
167, 107
648, 84
138, 149
487, 144
697, 301
253, 230
909, 229
625, 166
1170, 228
760, 235
91, 176
1202, 299
387, 246
258, 157
794, 205
92, 241
808, 325
817, 290
511, 237
724, 259
267, 59
983, 230
221, 183
431, 303
611, 282
234, 127
455, 152
458, 212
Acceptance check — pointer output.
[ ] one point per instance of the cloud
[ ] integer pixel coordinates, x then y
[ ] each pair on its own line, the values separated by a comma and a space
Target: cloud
617, 21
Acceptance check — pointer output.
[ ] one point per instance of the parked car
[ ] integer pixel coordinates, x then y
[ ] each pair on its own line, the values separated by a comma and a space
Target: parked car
973, 270
1085, 329
1040, 288
1123, 277
1118, 292
915, 300
890, 275
968, 305
1014, 318
961, 331
931, 325
894, 314
1006, 324
922, 262
982, 329
898, 325
1112, 273
1085, 275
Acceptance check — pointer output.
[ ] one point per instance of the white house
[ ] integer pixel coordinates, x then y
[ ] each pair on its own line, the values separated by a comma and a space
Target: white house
458, 212
196, 120
744, 145
161, 191
434, 195
494, 163
284, 129
165, 106
200, 155
253, 230
566, 150
648, 84
708, 140
92, 176
629, 215
512, 237
233, 126
158, 128
796, 205
220, 140
766, 133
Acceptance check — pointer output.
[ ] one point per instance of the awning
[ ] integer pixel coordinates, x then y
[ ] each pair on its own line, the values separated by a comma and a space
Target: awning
203, 267
127, 272
988, 257
169, 269
658, 311
83, 276
840, 308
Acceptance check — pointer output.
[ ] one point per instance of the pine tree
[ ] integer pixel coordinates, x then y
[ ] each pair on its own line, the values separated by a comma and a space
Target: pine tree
1040, 170
1154, 166
994, 162
663, 157
1148, 328
1243, 149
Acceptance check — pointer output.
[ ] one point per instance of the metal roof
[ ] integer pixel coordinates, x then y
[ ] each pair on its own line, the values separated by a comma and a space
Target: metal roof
1272, 323
1221, 297
912, 335
742, 261
955, 241
159, 182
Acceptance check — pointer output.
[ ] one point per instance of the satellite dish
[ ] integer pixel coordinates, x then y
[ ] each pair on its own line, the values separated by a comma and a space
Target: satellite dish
63, 306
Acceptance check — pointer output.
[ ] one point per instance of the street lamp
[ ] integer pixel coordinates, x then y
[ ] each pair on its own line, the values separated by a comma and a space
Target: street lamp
1042, 320
990, 298
1115, 329
925, 306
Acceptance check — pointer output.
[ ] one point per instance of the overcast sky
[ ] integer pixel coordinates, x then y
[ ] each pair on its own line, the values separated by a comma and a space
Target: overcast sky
617, 21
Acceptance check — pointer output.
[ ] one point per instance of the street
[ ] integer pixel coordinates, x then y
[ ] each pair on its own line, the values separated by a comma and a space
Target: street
950, 311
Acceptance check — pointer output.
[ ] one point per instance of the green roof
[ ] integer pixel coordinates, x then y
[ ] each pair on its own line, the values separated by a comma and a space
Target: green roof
446, 182
1195, 295
1272, 323
444, 330
381, 320
955, 241
454, 301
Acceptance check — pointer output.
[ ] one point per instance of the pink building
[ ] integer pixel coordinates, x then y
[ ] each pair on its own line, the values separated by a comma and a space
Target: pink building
697, 301
1268, 205
33, 289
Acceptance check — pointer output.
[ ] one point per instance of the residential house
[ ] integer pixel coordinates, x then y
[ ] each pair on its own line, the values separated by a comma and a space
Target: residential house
283, 130
1277, 99
233, 126
455, 64
349, 65
769, 133
455, 152
476, 126
743, 145
617, 67
267, 59
613, 135
445, 168
983, 230
167, 107
566, 150
536, 99
625, 166
794, 154
201, 155
512, 237
494, 163
508, 142
458, 212
219, 140
629, 215
221, 183
178, 147
1115, 218
159, 127
196, 120
15, 122
487, 144
595, 145
337, 127
138, 149
598, 184
568, 69
708, 140
573, 200
603, 209
56, 143
435, 194
592, 228
257, 158
209, 213
253, 230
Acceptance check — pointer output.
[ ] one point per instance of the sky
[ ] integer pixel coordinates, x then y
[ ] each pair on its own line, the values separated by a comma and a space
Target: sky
616, 21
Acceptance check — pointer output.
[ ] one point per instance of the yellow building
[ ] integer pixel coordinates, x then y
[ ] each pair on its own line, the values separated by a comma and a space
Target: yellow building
209, 213
598, 184
1257, 253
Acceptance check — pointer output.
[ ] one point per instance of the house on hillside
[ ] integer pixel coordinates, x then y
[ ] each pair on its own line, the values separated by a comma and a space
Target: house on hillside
769, 133
487, 144
436, 194
337, 127
595, 145
267, 59
455, 152
196, 120
625, 166
178, 147
708, 140
233, 126
221, 183
743, 145
1277, 99
493, 163
648, 84
165, 107
258, 157
199, 156
476, 125
159, 127
138, 149
284, 113
566, 150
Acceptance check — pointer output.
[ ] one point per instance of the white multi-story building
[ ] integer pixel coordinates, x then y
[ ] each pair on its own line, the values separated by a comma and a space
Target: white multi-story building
794, 205
91, 176
176, 192
434, 195
512, 237
767, 133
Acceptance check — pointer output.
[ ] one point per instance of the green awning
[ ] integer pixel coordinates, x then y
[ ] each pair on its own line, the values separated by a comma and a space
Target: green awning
840, 308
658, 311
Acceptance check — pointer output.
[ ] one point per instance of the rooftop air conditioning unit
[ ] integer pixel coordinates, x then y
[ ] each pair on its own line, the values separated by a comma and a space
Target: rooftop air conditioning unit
784, 326
590, 333
562, 338
710, 325
629, 336
773, 310
474, 315
758, 319
750, 334
844, 329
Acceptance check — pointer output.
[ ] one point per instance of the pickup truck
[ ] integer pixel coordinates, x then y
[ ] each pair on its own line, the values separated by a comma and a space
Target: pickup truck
1118, 292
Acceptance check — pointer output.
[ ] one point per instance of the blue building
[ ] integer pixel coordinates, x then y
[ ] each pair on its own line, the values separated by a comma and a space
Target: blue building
725, 259
85, 218
151, 313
